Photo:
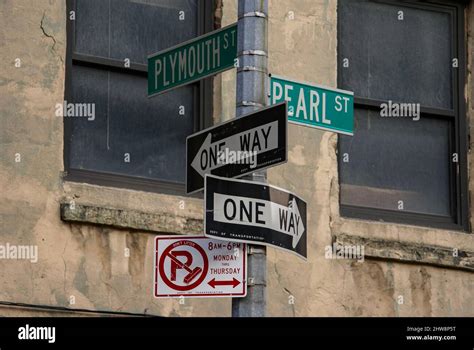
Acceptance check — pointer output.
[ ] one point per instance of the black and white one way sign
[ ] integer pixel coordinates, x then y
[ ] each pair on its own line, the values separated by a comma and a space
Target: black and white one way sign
238, 147
244, 211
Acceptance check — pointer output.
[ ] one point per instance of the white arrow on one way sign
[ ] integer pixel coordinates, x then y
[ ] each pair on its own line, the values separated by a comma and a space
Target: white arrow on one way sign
260, 213
239, 148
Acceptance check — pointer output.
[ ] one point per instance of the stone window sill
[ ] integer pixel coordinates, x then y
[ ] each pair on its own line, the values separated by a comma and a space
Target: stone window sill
129, 209
131, 219
410, 252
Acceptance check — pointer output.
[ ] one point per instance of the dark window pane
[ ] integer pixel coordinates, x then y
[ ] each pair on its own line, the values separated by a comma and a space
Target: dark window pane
137, 28
405, 60
151, 130
393, 159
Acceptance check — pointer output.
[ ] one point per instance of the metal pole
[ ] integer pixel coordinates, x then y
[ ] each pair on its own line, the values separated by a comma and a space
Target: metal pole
252, 81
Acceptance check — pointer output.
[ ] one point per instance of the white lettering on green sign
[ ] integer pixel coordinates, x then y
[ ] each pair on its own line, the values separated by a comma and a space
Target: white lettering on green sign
316, 106
206, 55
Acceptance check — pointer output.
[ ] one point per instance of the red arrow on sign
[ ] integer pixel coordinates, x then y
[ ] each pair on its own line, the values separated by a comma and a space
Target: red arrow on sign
234, 283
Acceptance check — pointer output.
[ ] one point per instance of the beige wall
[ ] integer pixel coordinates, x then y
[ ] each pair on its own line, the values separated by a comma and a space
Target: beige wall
332, 288
88, 261
83, 261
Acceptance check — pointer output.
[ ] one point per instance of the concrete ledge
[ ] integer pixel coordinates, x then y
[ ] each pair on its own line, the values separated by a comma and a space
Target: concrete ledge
12, 309
131, 219
410, 252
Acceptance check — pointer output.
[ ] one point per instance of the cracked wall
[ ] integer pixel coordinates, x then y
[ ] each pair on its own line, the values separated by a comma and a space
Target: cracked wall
303, 46
87, 261
80, 263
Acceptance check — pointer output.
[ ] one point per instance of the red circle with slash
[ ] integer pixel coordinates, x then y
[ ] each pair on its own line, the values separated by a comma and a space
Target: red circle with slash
191, 272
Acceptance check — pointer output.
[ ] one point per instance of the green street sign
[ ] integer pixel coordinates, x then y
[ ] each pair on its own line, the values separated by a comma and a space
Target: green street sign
193, 60
315, 106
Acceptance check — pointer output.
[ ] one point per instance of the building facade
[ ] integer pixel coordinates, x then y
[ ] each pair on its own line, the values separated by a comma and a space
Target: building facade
83, 194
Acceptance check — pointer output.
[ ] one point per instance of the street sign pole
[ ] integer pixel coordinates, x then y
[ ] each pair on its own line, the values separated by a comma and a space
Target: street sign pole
251, 96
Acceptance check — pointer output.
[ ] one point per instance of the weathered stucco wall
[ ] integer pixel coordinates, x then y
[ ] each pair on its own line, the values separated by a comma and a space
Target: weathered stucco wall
83, 261
303, 46
89, 262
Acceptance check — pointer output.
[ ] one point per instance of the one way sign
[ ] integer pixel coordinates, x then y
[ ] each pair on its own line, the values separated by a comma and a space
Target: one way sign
244, 211
238, 147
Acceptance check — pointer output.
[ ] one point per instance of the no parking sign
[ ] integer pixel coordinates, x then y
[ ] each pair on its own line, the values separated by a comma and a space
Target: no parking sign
199, 267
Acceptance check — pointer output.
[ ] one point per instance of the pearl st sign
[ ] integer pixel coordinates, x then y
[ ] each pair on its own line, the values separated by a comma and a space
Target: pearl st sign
314, 105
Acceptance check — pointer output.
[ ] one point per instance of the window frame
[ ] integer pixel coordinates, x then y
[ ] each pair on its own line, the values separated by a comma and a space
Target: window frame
459, 203
203, 102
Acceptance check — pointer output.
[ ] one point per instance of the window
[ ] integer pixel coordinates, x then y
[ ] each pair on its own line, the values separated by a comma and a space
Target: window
400, 166
133, 141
